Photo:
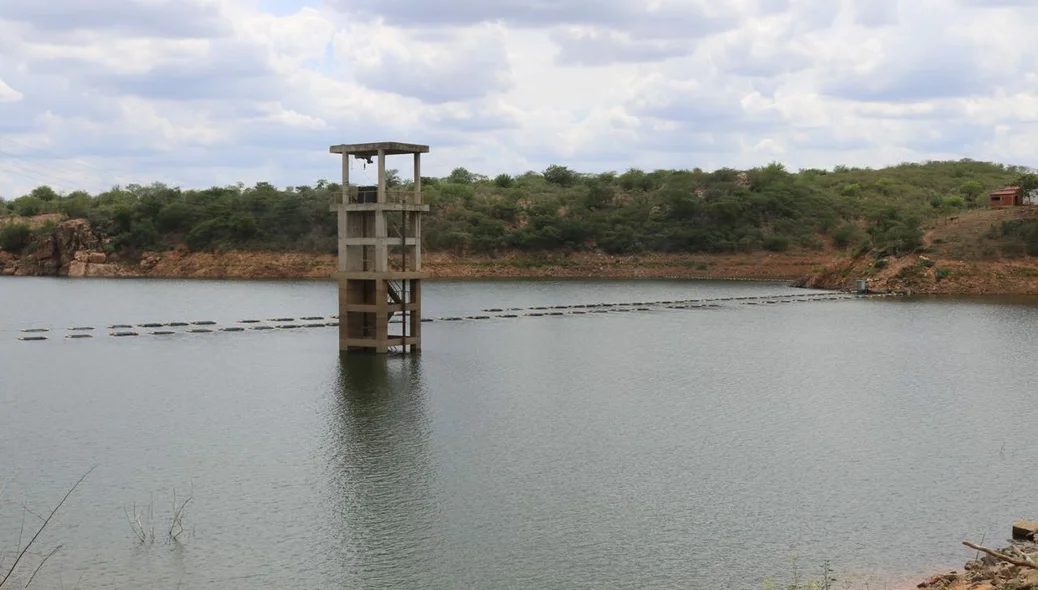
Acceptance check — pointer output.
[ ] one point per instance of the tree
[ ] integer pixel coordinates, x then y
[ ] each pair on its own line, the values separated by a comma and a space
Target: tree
970, 190
44, 193
1027, 182
560, 175
460, 176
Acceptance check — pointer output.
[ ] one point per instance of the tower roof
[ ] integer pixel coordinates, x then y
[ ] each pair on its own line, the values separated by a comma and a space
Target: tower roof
370, 150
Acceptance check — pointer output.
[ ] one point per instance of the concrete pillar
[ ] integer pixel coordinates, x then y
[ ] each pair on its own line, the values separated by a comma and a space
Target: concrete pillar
342, 219
381, 318
344, 329
416, 315
382, 176
382, 246
345, 179
418, 179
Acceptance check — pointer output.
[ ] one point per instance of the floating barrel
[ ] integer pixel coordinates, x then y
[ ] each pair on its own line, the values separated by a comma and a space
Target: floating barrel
204, 323
263, 328
232, 329
556, 313
427, 320
120, 327
332, 324
78, 336
509, 315
282, 320
30, 330
149, 325
313, 325
200, 331
177, 324
163, 333
122, 334
494, 310
81, 328
288, 326
249, 321
578, 312
312, 318
32, 338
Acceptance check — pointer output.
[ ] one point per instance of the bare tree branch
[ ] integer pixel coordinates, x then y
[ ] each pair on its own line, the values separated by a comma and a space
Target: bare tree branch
1002, 556
39, 567
43, 526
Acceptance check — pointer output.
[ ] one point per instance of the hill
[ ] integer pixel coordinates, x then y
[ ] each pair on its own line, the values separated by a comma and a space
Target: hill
558, 222
977, 252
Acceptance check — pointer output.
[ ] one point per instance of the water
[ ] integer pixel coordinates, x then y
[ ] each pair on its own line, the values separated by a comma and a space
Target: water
697, 448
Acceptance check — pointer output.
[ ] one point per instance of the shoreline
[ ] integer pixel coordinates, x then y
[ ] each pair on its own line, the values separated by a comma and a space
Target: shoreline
439, 266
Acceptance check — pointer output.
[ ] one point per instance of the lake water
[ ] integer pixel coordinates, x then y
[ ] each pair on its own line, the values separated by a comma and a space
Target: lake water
692, 448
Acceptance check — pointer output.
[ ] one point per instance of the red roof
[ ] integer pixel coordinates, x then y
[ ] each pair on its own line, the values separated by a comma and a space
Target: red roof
1009, 190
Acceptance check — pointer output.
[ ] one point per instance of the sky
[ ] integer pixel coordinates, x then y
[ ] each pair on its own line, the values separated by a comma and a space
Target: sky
197, 93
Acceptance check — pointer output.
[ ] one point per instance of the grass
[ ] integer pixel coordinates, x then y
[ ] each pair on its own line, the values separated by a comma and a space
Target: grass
796, 580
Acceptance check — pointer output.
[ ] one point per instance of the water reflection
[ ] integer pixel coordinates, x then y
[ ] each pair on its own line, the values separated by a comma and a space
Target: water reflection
379, 473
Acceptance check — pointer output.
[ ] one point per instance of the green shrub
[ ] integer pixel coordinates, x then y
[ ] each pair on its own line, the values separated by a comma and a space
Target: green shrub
28, 206
776, 243
941, 273
1013, 249
14, 236
851, 190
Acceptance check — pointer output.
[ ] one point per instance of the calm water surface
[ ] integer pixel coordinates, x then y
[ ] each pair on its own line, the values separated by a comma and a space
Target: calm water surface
666, 449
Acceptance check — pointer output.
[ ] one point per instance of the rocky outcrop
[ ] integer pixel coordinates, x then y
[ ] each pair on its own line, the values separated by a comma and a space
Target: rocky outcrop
54, 253
72, 249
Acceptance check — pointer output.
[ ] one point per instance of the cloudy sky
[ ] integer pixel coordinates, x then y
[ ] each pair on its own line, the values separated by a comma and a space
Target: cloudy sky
202, 92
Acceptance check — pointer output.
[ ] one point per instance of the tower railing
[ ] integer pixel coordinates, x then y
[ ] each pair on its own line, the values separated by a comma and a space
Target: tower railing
395, 196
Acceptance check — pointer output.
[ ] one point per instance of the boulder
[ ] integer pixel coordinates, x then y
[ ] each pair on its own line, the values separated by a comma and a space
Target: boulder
104, 270
77, 268
97, 258
1025, 530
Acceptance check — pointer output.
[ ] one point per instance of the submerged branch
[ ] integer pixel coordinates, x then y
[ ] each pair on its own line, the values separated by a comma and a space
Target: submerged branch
43, 526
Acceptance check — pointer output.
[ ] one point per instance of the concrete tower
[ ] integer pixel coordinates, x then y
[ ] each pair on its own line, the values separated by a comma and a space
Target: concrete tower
380, 254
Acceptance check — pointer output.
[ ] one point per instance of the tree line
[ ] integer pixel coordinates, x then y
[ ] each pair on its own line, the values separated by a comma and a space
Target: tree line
558, 209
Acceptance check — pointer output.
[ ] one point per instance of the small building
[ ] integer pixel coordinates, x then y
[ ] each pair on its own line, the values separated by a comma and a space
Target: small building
1010, 196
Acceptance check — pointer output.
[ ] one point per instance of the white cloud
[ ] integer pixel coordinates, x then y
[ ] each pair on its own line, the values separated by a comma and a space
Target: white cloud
8, 94
197, 92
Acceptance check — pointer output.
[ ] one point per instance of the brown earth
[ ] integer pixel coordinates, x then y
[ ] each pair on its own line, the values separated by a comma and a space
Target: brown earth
296, 265
74, 250
958, 259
